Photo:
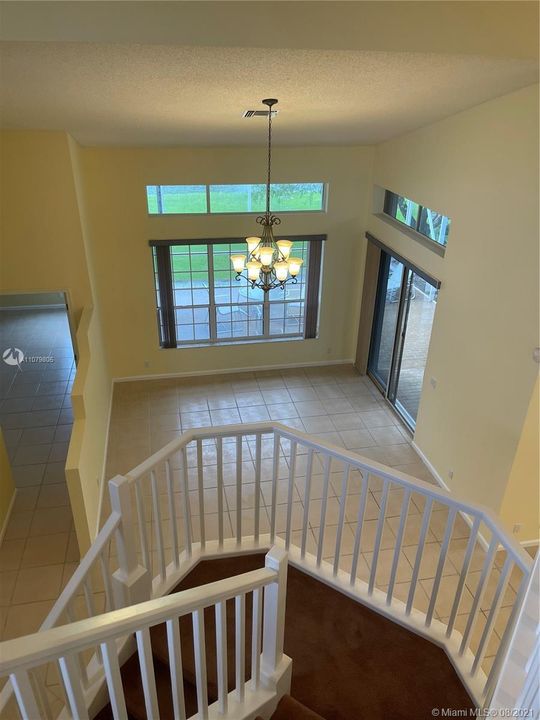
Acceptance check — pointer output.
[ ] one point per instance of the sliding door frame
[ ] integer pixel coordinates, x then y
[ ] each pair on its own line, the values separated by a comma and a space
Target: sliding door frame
409, 270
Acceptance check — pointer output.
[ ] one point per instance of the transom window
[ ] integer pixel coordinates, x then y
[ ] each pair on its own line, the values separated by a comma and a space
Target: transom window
429, 223
243, 198
199, 301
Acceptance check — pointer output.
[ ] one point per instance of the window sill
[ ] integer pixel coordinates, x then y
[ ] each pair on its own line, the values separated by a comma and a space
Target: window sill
228, 343
413, 234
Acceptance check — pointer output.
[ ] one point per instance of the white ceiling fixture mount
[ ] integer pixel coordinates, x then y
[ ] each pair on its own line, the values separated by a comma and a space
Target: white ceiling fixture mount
269, 262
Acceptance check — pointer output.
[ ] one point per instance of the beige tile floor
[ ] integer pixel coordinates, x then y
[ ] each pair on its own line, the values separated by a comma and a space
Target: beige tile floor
39, 552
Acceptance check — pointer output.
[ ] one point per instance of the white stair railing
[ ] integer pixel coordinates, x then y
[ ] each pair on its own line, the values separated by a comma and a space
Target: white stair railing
66, 644
330, 509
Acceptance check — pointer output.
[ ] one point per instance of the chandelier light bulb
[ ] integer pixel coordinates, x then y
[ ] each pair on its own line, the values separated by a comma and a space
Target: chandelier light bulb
282, 269
294, 265
254, 268
239, 262
285, 247
252, 243
266, 255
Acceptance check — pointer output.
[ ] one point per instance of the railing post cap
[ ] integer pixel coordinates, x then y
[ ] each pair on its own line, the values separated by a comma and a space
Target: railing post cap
276, 558
118, 480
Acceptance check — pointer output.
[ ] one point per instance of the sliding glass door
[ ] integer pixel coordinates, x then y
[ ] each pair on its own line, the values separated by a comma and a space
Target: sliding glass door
404, 310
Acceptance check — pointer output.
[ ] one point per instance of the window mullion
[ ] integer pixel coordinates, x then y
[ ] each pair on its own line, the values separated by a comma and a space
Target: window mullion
211, 293
266, 315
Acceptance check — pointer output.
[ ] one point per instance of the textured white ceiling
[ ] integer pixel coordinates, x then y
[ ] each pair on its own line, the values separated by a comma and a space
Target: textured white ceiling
127, 94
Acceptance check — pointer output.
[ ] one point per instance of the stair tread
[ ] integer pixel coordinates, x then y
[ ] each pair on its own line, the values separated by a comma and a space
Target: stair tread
290, 709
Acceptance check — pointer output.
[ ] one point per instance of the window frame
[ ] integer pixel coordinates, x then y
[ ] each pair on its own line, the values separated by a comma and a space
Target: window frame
390, 209
166, 308
209, 211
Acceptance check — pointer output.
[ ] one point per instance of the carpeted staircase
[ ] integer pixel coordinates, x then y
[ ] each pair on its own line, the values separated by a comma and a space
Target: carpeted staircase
348, 661
288, 708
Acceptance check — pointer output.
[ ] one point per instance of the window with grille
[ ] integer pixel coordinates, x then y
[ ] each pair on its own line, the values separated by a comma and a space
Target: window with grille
199, 300
431, 224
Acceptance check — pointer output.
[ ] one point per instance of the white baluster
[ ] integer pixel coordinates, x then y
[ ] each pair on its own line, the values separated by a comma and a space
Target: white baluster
258, 456
158, 529
107, 585
488, 562
219, 443
72, 684
275, 474
493, 676
114, 680
359, 525
256, 637
378, 537
221, 655
341, 521
146, 663
399, 542
26, 700
440, 565
82, 667
463, 575
172, 513
175, 667
495, 607
185, 501
141, 516
239, 490
307, 494
421, 542
200, 663
200, 485
240, 645
324, 503
292, 470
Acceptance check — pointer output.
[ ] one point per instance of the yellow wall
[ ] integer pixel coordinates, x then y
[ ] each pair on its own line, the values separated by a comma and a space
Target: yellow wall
521, 499
480, 168
91, 398
7, 488
41, 246
44, 247
120, 229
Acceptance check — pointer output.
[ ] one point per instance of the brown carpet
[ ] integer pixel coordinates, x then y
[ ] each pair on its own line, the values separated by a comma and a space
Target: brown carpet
349, 662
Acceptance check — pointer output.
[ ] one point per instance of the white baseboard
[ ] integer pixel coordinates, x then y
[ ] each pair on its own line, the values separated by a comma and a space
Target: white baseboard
231, 371
8, 515
530, 543
443, 484
482, 540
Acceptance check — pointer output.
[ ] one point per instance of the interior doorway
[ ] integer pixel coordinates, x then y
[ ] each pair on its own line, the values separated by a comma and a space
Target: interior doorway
36, 377
405, 305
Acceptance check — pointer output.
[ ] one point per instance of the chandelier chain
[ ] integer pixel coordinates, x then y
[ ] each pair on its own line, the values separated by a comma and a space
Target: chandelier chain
269, 159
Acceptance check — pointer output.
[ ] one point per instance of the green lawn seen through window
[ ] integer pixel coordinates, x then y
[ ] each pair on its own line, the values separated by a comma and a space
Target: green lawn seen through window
245, 198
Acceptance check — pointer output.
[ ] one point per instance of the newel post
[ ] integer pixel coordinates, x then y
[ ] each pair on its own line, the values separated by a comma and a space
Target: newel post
131, 582
275, 596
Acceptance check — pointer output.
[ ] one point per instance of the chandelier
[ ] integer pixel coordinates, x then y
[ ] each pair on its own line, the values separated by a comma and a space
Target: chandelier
269, 262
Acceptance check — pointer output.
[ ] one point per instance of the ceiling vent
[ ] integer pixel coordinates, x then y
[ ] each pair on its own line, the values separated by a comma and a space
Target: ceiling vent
258, 113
